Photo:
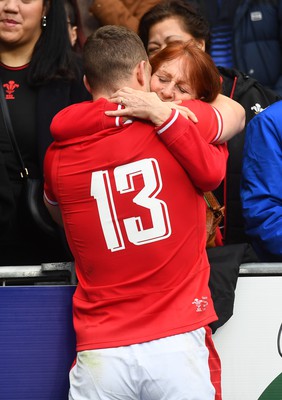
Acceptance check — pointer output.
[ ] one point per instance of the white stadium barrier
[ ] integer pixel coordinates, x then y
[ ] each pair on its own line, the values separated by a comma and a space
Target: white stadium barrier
250, 343
37, 343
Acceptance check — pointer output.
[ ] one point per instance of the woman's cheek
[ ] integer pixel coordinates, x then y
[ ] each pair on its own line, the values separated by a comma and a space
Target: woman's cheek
155, 86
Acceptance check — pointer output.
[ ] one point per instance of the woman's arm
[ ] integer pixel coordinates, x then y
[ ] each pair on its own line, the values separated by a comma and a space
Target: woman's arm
233, 116
146, 105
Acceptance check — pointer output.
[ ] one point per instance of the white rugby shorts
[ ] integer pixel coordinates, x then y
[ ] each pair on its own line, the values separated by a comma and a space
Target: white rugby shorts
180, 367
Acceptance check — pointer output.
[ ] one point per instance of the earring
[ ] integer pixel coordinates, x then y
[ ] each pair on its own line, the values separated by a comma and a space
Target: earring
44, 21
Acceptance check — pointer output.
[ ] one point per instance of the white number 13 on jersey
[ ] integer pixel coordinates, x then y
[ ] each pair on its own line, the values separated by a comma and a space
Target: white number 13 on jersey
101, 190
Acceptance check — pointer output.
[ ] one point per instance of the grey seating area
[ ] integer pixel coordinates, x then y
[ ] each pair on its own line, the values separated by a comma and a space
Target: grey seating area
44, 274
260, 269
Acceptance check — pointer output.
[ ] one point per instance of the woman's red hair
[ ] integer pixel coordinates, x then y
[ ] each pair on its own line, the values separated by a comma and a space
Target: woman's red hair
199, 69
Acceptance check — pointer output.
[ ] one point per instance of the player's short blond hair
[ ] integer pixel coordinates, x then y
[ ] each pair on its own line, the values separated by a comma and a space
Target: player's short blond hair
110, 54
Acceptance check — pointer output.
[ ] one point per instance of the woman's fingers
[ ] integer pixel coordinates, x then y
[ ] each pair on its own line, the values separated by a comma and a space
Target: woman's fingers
146, 105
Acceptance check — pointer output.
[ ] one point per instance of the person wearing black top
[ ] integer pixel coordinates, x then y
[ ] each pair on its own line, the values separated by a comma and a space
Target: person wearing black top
40, 75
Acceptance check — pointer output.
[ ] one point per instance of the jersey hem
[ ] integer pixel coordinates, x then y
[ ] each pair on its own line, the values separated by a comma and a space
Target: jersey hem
149, 338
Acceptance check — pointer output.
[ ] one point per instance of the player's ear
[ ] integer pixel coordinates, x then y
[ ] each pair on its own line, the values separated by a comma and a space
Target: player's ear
144, 74
86, 84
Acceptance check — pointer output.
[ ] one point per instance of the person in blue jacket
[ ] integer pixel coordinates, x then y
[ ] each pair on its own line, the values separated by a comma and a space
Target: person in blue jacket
257, 42
261, 187
247, 35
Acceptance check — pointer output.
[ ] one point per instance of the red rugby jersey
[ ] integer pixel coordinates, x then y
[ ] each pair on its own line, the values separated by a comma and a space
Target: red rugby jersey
134, 216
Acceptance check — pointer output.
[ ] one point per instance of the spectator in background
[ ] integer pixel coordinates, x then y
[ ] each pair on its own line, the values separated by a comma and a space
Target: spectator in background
121, 12
247, 35
40, 75
142, 273
179, 20
88, 20
262, 183
181, 71
220, 15
76, 33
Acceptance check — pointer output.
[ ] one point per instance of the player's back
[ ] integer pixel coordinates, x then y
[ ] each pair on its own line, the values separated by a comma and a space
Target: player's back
136, 227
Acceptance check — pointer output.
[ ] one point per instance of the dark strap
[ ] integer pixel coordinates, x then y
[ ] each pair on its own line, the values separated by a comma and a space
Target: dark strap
10, 131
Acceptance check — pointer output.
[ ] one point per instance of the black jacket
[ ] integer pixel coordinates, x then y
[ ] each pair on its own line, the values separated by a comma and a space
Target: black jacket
225, 261
21, 242
256, 35
7, 200
257, 39
254, 98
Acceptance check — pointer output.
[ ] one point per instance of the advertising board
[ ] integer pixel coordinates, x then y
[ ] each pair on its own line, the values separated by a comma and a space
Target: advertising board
250, 343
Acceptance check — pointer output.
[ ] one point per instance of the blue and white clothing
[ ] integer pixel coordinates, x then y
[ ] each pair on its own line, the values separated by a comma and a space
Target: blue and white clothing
261, 190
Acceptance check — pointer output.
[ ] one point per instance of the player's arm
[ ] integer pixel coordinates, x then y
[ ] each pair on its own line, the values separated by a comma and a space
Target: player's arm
54, 211
205, 163
190, 143
147, 105
49, 182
